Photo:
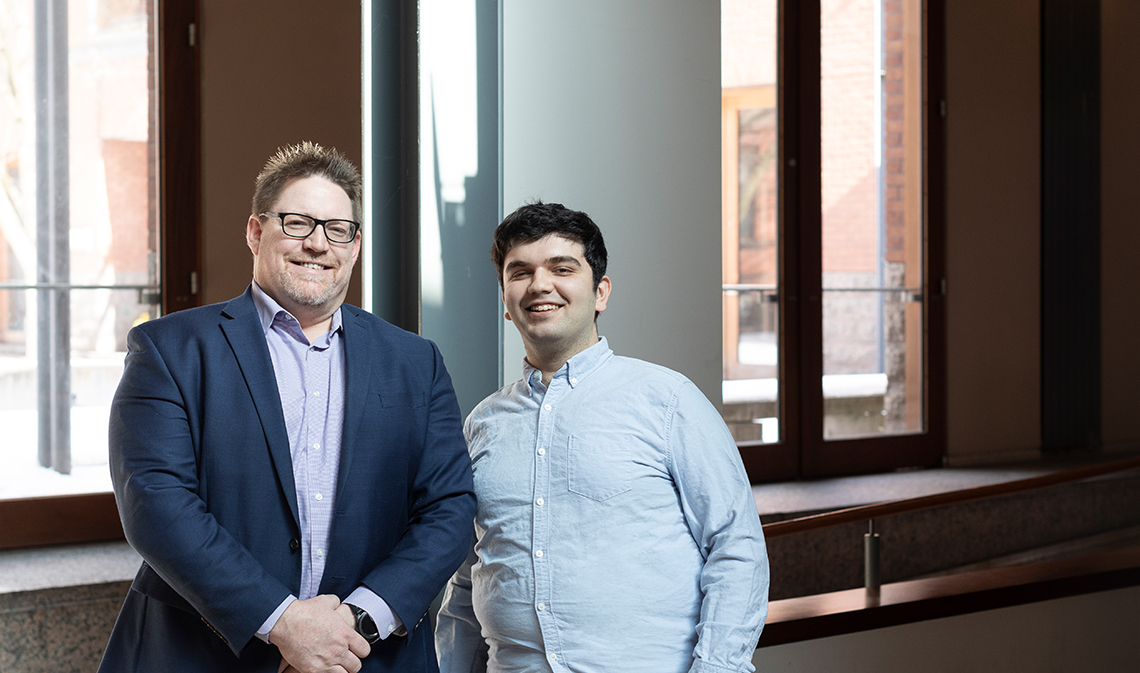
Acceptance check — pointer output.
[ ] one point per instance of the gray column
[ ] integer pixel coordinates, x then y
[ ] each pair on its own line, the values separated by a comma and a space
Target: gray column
52, 233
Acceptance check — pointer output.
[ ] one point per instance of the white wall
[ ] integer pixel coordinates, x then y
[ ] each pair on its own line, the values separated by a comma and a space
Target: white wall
613, 108
1095, 632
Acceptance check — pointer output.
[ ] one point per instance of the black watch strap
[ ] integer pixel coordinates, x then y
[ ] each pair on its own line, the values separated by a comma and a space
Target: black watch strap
365, 625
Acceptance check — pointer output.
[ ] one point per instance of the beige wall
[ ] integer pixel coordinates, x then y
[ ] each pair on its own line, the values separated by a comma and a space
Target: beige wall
1120, 228
993, 137
274, 72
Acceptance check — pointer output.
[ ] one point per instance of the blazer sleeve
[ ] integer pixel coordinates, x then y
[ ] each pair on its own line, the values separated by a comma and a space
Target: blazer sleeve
154, 470
441, 515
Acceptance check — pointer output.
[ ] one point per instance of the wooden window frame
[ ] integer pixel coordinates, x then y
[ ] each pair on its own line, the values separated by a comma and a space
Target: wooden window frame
30, 522
803, 451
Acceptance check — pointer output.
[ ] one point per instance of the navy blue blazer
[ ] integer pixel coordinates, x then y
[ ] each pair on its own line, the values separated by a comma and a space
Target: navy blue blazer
202, 474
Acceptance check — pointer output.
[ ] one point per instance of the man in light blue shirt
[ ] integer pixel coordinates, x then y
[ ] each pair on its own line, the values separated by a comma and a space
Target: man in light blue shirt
615, 528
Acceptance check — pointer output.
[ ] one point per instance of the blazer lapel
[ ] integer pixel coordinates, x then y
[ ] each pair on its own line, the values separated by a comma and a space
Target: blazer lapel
243, 331
358, 354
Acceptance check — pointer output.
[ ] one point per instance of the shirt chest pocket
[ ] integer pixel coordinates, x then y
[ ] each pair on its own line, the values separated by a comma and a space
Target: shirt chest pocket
600, 466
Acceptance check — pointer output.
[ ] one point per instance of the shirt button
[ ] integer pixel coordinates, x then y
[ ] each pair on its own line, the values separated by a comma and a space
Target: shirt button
320, 552
574, 381
538, 553
391, 628
317, 394
541, 607
542, 452
317, 445
319, 496
552, 656
546, 406
540, 502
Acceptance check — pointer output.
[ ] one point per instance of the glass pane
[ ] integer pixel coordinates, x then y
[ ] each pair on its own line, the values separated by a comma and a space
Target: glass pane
78, 231
871, 98
459, 190
750, 211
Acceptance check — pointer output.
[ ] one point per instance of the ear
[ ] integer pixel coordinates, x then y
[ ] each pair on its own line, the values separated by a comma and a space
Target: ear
356, 244
602, 294
503, 297
253, 234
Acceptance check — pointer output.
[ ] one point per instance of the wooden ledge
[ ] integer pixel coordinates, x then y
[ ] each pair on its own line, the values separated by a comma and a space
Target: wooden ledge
820, 616
68, 519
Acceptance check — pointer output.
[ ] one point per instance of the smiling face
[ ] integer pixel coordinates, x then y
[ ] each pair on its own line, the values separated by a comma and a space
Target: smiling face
548, 289
307, 277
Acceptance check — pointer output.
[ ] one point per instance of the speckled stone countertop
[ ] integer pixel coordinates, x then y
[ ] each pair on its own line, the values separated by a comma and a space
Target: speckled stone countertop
66, 565
58, 604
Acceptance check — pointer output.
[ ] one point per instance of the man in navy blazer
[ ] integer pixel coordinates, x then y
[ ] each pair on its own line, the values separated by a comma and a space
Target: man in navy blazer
291, 469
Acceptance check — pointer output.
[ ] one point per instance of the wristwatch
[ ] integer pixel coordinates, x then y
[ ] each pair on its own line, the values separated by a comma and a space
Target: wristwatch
365, 625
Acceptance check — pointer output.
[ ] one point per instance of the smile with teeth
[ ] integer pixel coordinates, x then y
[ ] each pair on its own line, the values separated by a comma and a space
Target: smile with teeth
542, 308
311, 265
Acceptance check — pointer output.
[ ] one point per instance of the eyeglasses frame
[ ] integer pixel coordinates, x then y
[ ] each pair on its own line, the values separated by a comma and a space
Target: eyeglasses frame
316, 222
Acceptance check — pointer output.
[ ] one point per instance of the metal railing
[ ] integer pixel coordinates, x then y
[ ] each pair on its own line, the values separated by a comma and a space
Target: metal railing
871, 512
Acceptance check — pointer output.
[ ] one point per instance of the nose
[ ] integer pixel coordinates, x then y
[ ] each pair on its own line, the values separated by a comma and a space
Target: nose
540, 281
315, 241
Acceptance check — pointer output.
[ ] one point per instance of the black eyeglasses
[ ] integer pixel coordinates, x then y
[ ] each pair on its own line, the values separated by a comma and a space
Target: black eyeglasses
298, 225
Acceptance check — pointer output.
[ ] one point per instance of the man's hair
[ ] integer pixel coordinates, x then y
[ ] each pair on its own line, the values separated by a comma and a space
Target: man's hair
305, 160
538, 220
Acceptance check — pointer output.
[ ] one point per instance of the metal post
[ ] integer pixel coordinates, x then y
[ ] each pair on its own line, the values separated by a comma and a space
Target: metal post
871, 560
52, 236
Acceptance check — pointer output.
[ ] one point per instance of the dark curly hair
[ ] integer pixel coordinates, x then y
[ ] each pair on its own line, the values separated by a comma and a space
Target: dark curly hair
537, 220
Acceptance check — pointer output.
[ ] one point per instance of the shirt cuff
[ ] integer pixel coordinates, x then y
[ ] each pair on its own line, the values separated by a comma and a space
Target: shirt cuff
263, 632
387, 623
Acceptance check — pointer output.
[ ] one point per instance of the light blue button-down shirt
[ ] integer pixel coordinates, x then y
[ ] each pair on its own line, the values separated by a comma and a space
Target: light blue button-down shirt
616, 529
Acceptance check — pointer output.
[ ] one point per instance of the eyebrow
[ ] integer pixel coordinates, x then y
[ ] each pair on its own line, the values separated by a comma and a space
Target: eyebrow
560, 259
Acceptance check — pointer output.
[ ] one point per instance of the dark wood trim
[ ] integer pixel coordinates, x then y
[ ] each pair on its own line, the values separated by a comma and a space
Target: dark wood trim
780, 461
934, 210
180, 154
809, 226
823, 615
33, 522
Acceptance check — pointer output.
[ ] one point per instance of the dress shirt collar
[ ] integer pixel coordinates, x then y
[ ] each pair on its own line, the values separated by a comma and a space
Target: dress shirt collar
268, 310
576, 368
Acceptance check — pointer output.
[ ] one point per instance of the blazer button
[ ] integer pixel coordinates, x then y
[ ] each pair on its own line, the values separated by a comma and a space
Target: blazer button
294, 544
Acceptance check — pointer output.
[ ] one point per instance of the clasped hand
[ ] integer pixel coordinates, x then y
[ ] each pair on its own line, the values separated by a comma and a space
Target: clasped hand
318, 635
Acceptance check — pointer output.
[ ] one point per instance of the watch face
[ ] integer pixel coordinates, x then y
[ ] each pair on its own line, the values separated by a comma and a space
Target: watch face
365, 625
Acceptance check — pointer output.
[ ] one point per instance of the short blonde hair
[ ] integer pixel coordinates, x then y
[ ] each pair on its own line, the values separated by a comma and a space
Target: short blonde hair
304, 160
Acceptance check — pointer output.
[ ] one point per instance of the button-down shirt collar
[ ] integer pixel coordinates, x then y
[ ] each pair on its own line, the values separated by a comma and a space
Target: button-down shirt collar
268, 310
576, 369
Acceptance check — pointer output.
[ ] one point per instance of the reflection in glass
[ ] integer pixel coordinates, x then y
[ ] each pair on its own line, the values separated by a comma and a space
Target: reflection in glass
871, 105
459, 189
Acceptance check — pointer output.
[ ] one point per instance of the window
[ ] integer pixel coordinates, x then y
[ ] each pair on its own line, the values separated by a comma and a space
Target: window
82, 258
831, 208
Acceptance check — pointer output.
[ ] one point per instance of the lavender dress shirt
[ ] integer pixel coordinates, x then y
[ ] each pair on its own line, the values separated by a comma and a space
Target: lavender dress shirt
310, 380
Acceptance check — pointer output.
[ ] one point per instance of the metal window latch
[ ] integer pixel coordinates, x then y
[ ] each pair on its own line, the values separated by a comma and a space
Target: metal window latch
150, 297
